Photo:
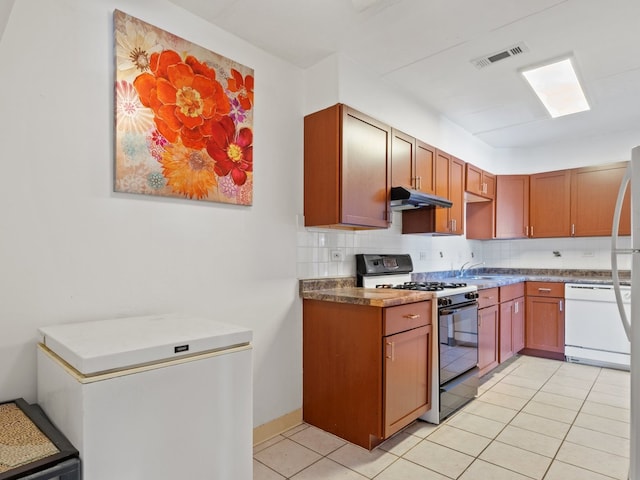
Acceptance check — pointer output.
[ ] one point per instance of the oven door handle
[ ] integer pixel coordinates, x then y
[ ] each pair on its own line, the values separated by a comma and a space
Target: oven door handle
453, 311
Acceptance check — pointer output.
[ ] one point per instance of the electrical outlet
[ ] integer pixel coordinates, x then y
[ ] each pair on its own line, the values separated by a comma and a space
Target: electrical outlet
337, 256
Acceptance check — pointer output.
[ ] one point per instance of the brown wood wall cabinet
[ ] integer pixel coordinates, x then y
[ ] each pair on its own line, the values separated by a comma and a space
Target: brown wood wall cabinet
594, 191
412, 163
480, 191
346, 169
578, 203
549, 204
351, 161
449, 183
566, 203
480, 184
512, 206
366, 370
544, 319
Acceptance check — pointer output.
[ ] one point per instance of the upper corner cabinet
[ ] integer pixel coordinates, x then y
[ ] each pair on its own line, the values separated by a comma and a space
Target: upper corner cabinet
346, 169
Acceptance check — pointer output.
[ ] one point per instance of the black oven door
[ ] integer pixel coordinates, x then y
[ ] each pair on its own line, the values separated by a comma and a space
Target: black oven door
458, 338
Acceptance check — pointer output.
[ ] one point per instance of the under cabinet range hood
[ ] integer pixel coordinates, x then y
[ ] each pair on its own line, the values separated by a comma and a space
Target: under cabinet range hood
404, 198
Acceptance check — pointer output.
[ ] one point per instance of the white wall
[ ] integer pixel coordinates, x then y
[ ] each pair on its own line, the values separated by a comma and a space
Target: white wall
72, 250
608, 147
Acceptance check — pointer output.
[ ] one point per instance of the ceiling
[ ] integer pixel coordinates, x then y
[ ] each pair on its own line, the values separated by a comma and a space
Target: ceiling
425, 48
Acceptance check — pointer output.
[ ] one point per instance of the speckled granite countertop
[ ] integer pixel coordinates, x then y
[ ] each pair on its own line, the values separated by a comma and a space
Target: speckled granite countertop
501, 277
374, 297
344, 290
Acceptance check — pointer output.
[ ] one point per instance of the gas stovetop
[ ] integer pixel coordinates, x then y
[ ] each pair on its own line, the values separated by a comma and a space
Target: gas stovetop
423, 286
394, 272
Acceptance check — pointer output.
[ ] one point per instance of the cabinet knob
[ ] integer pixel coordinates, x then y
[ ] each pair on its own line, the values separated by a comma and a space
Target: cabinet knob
412, 316
544, 290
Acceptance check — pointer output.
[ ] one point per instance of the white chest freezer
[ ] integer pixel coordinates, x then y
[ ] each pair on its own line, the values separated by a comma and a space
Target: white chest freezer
154, 397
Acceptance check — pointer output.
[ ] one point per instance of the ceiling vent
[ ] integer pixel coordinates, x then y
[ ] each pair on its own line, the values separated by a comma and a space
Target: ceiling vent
486, 60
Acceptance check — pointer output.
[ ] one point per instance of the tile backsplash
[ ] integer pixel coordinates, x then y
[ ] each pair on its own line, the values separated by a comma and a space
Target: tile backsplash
330, 252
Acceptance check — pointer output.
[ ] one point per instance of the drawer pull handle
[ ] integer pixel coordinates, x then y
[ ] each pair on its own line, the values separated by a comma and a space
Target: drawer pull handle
547, 290
412, 316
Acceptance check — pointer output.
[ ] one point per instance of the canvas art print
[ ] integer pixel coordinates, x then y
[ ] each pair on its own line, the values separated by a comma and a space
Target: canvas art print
184, 117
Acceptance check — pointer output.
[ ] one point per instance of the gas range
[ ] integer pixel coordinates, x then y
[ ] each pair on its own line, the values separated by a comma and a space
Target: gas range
394, 272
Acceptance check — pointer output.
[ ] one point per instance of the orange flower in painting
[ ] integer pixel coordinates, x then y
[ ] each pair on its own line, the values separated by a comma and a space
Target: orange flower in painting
232, 151
185, 97
243, 87
188, 172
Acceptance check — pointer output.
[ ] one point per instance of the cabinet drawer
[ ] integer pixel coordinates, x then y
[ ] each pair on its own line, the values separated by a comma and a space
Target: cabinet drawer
405, 317
487, 297
545, 289
509, 292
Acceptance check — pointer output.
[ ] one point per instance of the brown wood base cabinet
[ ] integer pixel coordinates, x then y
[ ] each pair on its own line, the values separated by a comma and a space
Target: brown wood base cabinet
488, 328
366, 370
511, 320
544, 319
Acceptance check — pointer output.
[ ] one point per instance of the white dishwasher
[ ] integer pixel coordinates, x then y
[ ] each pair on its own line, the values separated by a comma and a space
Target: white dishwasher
160, 396
593, 331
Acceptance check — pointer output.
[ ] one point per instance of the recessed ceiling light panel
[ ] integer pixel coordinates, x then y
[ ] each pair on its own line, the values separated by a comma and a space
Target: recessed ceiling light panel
557, 86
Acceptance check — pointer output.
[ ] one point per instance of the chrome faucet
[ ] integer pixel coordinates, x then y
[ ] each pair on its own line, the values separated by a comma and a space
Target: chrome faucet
463, 270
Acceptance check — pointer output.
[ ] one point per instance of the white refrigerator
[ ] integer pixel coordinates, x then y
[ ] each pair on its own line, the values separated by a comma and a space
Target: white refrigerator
631, 324
156, 397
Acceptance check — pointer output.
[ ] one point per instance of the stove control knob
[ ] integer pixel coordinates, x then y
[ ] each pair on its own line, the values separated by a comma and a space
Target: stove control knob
471, 295
444, 302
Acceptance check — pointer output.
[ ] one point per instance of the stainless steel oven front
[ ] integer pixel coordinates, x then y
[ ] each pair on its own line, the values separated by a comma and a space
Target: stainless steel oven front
458, 351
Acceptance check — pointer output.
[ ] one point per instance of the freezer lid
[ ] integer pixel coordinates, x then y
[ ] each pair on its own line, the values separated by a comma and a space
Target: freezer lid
115, 344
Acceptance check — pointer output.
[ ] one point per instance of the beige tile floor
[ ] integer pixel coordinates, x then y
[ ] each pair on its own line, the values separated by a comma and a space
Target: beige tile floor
533, 418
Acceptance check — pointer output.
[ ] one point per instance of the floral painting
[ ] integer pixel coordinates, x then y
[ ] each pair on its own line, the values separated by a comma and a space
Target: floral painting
184, 117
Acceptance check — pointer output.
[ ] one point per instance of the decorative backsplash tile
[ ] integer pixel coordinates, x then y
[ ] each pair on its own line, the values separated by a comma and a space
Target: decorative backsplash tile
438, 253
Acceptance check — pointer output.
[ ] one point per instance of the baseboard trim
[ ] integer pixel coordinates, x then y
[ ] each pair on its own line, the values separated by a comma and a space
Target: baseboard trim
276, 427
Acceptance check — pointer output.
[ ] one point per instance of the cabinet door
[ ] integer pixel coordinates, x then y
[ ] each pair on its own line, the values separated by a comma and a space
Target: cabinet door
403, 152
489, 184
425, 167
487, 338
406, 377
594, 191
442, 174
550, 196
512, 206
456, 195
346, 169
473, 180
517, 325
545, 324
506, 330
365, 175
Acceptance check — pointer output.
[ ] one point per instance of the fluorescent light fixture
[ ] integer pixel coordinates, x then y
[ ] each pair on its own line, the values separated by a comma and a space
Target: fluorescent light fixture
557, 86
